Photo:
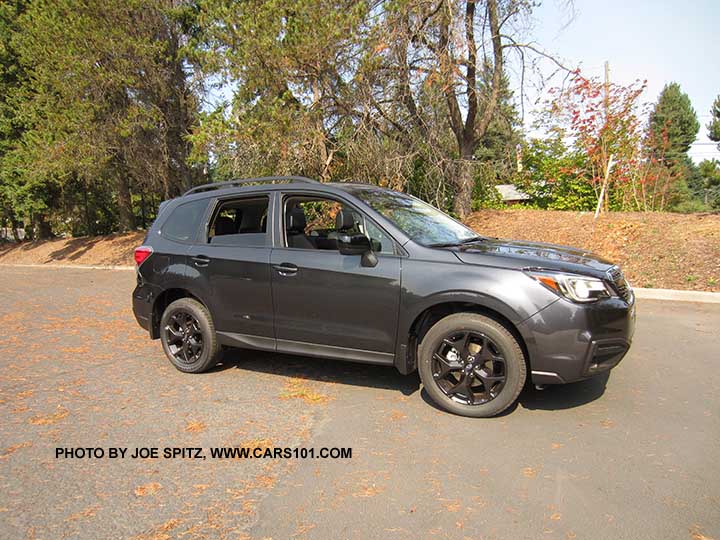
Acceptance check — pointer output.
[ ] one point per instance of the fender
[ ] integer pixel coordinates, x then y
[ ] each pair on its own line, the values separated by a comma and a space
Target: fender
177, 282
405, 360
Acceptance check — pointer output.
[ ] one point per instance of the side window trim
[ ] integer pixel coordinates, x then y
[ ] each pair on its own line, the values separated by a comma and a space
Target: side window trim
398, 251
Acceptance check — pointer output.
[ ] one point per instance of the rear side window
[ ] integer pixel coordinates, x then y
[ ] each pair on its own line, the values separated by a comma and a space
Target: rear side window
183, 222
240, 222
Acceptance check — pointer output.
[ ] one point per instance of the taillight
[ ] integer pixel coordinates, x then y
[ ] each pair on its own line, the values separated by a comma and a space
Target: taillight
142, 253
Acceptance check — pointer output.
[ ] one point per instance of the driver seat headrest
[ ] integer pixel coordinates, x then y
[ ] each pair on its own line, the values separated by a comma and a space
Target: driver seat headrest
344, 220
296, 221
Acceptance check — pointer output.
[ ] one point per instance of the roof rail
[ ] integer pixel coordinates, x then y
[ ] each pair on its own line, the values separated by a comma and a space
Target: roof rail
240, 181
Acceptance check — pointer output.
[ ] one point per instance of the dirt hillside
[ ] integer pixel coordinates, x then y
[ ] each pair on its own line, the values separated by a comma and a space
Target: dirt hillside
671, 251
115, 249
658, 250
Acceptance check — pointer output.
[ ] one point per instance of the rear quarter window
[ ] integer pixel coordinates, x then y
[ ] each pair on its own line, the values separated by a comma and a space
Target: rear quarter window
183, 222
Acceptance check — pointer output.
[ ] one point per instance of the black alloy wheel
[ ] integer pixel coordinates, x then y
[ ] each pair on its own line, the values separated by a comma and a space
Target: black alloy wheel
188, 336
184, 337
469, 368
472, 365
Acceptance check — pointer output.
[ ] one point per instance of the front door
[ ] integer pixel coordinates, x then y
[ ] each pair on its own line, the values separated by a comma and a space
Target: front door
324, 298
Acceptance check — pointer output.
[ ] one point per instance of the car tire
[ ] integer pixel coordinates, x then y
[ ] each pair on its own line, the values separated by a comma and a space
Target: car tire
188, 321
499, 343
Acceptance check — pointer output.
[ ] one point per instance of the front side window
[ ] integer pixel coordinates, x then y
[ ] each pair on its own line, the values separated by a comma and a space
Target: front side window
316, 223
183, 222
240, 222
422, 222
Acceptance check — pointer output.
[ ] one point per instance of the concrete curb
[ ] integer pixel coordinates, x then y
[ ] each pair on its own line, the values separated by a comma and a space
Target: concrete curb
677, 296
671, 295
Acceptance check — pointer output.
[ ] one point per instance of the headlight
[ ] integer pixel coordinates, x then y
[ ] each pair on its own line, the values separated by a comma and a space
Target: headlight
573, 287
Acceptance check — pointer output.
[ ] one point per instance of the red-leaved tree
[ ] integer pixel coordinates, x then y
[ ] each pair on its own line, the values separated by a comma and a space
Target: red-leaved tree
603, 121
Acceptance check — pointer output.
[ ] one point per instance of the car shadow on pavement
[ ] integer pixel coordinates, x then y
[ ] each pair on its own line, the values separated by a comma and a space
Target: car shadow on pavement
552, 398
565, 396
334, 371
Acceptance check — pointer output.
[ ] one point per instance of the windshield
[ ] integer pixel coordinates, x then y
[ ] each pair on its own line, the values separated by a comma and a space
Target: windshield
422, 222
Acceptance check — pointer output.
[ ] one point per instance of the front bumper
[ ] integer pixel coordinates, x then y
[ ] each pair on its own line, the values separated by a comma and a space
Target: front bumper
570, 342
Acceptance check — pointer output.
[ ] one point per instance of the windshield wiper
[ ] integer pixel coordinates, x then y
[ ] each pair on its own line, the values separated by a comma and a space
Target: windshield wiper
474, 239
460, 243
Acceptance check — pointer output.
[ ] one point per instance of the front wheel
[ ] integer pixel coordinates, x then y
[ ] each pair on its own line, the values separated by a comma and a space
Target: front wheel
471, 365
188, 336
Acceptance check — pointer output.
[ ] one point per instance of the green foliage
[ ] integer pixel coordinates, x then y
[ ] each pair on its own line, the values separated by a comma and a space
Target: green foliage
102, 110
690, 207
554, 176
673, 125
714, 126
11, 76
100, 114
603, 121
484, 193
705, 183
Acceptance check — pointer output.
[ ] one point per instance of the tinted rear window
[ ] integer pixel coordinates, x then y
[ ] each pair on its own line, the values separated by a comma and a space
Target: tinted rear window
184, 221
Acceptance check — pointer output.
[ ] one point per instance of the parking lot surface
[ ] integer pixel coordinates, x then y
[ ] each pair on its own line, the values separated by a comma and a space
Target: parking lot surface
631, 456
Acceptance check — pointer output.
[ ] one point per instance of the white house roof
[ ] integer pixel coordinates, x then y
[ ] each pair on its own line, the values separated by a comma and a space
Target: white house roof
510, 193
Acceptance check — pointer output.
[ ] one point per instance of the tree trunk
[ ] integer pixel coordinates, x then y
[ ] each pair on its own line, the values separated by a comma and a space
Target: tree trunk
126, 216
16, 225
464, 180
44, 229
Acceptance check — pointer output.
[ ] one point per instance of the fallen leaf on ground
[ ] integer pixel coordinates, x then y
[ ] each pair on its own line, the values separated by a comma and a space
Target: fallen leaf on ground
89, 512
195, 427
147, 489
50, 418
14, 448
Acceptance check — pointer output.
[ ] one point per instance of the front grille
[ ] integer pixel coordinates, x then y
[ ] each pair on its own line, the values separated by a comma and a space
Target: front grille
619, 283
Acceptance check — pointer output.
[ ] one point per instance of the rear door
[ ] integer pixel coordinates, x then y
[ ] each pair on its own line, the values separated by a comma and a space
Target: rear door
231, 265
324, 298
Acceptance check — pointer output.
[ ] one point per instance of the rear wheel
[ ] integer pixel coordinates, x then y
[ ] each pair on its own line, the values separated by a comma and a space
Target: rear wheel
471, 365
188, 336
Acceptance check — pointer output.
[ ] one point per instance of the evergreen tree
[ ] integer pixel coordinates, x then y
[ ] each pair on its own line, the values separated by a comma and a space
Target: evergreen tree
11, 76
106, 108
714, 126
673, 125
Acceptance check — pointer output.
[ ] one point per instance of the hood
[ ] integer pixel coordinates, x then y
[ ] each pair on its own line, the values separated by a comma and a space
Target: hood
519, 254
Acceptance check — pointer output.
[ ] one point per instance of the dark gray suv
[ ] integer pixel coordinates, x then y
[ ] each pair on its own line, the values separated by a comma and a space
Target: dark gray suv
361, 273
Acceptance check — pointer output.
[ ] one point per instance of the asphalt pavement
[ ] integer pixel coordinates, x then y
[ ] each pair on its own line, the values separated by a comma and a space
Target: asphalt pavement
634, 455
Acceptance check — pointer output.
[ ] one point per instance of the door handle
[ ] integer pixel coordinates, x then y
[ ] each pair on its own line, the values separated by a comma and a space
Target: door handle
286, 269
201, 260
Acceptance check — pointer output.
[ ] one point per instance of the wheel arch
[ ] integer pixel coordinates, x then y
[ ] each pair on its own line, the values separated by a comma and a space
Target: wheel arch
162, 301
425, 318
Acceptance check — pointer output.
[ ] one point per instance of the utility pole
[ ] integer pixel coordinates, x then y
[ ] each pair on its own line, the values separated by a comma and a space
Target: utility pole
603, 192
607, 90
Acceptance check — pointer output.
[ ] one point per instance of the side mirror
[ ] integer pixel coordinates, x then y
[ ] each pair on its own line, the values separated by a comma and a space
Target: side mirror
357, 244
